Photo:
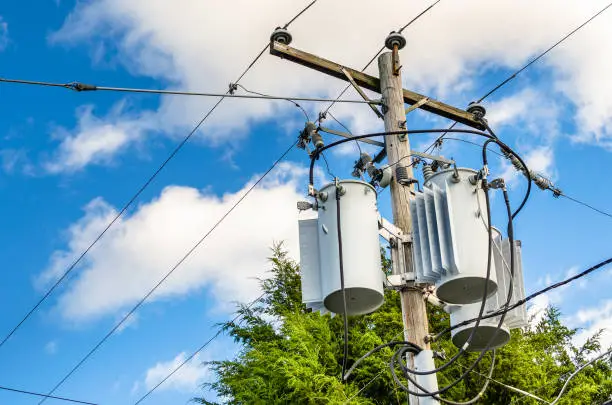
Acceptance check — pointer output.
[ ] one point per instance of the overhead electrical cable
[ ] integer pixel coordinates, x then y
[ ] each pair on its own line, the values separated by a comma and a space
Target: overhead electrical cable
37, 394
396, 358
174, 152
578, 370
80, 87
342, 286
287, 99
562, 194
348, 86
400, 352
99, 344
168, 274
607, 214
509, 387
530, 297
195, 353
541, 55
528, 64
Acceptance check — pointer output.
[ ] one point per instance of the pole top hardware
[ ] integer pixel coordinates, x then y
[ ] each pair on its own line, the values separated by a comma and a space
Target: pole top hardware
477, 109
395, 39
281, 35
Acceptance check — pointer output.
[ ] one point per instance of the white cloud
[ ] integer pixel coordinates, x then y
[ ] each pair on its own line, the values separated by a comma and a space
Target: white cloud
187, 379
136, 253
540, 159
592, 319
195, 46
4, 38
97, 140
51, 347
15, 160
535, 312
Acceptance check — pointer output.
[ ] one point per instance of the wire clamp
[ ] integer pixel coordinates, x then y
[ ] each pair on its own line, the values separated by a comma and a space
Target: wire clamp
232, 88
77, 86
498, 184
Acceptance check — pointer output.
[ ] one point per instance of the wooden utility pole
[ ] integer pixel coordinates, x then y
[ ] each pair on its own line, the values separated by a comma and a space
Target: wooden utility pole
397, 147
414, 310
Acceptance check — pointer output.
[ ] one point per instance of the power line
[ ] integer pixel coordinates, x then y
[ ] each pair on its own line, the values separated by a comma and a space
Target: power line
541, 55
169, 273
36, 394
364, 387
509, 387
188, 359
576, 372
140, 191
107, 336
586, 205
562, 194
526, 66
530, 297
379, 51
288, 99
79, 87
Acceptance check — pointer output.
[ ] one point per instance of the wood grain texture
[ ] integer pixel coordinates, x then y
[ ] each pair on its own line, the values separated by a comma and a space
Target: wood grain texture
371, 83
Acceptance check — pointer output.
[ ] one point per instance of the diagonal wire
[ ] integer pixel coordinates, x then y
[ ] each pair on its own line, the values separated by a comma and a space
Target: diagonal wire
562, 194
138, 193
541, 55
586, 205
36, 394
108, 335
509, 387
168, 274
379, 52
188, 359
526, 66
363, 388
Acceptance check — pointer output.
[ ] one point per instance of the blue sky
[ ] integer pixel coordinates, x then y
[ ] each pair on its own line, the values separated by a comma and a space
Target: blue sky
69, 161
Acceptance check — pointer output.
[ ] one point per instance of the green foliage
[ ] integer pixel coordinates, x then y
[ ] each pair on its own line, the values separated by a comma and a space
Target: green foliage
291, 356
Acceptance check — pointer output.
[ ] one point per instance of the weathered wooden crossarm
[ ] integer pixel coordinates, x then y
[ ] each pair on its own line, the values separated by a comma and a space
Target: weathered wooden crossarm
371, 83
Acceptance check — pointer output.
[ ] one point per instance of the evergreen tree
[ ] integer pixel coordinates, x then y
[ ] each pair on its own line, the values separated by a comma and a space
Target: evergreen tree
292, 356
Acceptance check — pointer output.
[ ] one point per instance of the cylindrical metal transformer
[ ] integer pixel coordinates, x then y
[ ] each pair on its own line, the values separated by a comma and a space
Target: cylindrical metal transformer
486, 328
464, 227
360, 245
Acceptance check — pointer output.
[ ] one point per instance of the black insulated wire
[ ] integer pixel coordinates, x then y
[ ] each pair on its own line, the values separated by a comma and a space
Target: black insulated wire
342, 287
534, 295
315, 154
435, 394
398, 354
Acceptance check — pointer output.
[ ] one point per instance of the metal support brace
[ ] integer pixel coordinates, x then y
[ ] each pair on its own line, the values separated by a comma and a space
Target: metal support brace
362, 93
398, 240
402, 124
